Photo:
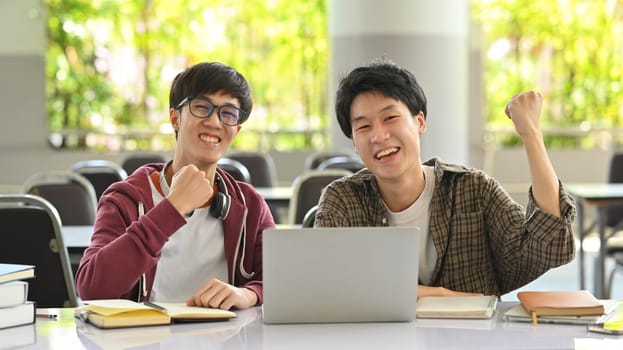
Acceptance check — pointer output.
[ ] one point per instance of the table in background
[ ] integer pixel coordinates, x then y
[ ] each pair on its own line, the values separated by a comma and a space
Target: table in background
600, 196
278, 198
76, 239
247, 331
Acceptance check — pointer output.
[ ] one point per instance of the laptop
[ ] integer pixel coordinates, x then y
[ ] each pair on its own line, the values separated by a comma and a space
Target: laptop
330, 275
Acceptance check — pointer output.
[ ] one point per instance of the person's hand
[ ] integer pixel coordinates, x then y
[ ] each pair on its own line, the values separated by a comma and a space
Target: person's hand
189, 189
426, 291
220, 295
524, 110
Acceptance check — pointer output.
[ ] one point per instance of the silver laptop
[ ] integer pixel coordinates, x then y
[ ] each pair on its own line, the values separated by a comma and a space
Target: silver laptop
319, 275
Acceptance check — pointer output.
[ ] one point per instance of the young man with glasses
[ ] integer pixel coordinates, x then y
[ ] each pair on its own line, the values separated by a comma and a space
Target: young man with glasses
474, 238
185, 230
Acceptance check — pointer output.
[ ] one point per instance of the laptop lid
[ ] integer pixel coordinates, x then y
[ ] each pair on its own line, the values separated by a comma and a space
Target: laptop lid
317, 275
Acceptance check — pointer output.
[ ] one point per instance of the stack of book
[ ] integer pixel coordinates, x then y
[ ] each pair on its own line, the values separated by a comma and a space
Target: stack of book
15, 309
566, 307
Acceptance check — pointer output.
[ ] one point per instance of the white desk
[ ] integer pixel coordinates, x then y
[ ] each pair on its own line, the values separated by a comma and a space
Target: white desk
278, 198
77, 237
599, 196
248, 332
276, 194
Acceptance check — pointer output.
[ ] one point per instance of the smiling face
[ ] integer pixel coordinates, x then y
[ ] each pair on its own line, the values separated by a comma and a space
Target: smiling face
202, 141
386, 136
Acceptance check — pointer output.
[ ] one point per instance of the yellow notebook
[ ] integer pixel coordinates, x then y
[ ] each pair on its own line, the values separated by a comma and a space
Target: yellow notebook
119, 313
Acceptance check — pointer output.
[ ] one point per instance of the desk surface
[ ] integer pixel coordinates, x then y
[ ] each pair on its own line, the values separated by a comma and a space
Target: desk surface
77, 236
599, 196
275, 193
248, 332
596, 191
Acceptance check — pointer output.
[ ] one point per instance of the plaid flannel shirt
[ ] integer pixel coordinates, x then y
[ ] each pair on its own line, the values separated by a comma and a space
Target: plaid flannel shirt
485, 241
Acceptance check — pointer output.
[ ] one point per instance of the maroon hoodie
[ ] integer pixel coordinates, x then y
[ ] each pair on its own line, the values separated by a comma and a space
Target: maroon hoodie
129, 234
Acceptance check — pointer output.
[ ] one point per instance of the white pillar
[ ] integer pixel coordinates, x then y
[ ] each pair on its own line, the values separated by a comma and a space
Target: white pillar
22, 75
429, 38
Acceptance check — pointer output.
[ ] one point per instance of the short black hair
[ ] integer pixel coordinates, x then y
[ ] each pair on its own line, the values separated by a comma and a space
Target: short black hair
382, 76
208, 78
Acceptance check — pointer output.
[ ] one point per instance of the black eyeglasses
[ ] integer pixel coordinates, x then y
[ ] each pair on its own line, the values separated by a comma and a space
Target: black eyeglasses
202, 107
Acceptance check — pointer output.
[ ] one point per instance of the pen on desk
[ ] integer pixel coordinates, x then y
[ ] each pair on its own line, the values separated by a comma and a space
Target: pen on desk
47, 315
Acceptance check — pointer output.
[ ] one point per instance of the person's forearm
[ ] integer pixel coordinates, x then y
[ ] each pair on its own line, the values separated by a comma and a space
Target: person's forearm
545, 184
427, 291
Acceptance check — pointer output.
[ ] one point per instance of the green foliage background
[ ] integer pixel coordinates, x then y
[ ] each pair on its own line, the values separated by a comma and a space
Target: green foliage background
110, 64
570, 50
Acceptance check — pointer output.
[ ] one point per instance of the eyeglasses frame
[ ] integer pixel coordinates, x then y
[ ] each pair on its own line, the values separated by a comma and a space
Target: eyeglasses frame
188, 99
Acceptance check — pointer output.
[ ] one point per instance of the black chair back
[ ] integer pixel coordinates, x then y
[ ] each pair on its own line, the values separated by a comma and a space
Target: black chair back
136, 160
235, 169
342, 162
260, 165
310, 217
307, 189
71, 194
313, 160
31, 235
614, 214
101, 174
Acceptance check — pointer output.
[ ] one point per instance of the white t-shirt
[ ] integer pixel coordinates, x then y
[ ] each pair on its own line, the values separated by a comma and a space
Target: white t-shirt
193, 255
417, 215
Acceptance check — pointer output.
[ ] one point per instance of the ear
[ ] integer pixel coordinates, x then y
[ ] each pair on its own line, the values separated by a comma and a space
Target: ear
174, 117
238, 127
421, 122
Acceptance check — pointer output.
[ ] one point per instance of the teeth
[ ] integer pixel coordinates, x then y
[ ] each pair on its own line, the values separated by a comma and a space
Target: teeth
209, 139
386, 152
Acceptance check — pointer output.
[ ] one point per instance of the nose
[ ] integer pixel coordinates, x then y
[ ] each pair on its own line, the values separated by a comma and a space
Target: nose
212, 118
378, 133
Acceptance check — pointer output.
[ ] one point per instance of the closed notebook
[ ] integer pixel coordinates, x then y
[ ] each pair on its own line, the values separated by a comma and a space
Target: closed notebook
518, 313
560, 303
119, 313
471, 306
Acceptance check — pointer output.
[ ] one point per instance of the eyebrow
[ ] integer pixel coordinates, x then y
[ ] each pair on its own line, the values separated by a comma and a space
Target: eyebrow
384, 109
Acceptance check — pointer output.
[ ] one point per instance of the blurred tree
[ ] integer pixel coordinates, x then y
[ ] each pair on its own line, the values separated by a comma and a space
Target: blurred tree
110, 64
571, 51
